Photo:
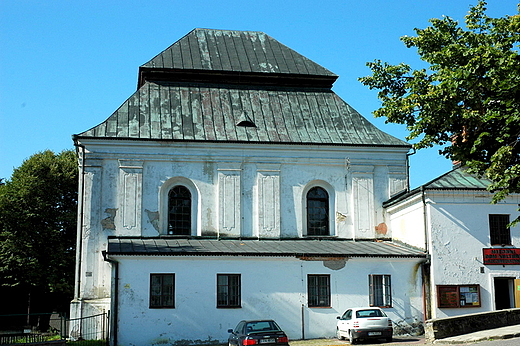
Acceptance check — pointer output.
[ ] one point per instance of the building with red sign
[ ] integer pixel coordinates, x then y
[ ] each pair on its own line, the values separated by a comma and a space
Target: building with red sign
474, 255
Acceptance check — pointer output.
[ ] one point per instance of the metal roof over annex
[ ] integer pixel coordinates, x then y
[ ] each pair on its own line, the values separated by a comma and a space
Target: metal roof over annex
126, 246
456, 179
237, 86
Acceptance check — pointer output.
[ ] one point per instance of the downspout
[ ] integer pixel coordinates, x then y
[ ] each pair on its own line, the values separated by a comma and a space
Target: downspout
408, 168
114, 302
81, 199
427, 263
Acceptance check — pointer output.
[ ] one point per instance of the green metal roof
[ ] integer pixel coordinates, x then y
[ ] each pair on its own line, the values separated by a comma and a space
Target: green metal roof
456, 179
237, 86
180, 112
204, 53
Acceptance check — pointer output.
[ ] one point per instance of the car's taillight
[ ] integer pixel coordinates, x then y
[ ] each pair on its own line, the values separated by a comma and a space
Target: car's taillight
248, 341
283, 339
389, 323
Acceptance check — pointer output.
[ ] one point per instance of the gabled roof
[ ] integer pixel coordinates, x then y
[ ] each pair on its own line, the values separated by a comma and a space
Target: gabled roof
456, 179
180, 112
121, 246
219, 55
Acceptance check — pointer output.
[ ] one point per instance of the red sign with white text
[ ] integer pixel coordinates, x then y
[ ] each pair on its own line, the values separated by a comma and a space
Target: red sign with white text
501, 256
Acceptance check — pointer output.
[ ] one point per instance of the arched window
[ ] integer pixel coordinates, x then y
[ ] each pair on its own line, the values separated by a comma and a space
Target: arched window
179, 211
317, 211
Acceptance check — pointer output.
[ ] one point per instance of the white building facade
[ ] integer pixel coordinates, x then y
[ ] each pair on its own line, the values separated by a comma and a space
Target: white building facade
234, 184
474, 255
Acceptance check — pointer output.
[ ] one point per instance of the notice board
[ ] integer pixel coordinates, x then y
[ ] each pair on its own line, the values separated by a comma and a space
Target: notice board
458, 296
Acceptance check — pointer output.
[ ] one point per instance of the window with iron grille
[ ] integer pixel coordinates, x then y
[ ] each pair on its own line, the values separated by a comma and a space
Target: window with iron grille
498, 231
228, 291
380, 290
162, 290
317, 211
318, 290
179, 211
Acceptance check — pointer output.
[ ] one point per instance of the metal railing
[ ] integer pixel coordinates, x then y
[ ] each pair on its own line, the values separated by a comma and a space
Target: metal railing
19, 329
89, 328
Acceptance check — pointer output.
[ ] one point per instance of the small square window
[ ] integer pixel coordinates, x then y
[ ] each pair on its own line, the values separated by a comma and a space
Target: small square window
318, 287
162, 290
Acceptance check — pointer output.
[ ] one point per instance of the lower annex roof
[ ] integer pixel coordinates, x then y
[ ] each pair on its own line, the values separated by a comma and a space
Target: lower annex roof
125, 246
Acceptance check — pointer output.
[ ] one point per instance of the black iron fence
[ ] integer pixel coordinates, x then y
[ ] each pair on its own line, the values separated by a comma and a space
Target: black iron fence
89, 328
51, 328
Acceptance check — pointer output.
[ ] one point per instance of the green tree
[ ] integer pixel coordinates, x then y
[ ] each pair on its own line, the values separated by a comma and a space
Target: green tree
468, 97
38, 227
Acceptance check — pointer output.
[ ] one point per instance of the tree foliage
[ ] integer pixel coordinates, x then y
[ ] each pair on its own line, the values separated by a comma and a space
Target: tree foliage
38, 224
469, 96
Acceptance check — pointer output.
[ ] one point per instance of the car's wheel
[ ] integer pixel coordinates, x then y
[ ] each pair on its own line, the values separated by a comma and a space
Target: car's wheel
388, 339
338, 334
351, 338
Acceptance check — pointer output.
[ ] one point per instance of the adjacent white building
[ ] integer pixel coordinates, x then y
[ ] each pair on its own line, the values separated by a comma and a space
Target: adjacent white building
235, 184
474, 259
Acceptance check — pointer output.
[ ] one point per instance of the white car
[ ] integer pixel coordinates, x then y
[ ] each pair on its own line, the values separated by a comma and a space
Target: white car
364, 323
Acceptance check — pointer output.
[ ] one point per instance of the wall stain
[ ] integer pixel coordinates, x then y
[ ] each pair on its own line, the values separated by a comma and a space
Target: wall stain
109, 223
381, 228
336, 264
153, 216
340, 217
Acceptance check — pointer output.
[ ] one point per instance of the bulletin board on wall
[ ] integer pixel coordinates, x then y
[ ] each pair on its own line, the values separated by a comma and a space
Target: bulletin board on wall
458, 296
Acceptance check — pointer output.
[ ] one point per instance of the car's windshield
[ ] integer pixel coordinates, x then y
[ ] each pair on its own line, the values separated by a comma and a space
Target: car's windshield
370, 313
261, 326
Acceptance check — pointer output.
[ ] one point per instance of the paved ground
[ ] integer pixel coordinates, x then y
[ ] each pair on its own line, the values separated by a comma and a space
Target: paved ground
466, 339
398, 340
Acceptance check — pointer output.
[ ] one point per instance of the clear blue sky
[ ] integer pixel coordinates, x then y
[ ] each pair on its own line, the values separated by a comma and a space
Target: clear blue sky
65, 66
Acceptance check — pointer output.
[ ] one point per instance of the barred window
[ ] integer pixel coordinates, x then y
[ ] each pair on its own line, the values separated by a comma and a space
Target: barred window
318, 287
179, 211
498, 230
228, 291
162, 290
380, 290
317, 211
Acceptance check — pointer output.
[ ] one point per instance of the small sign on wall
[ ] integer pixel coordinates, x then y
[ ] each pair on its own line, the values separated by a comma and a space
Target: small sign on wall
458, 296
501, 256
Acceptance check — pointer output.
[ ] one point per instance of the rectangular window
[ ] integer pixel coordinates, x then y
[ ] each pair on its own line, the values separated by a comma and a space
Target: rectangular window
498, 230
458, 296
318, 288
162, 290
380, 290
228, 291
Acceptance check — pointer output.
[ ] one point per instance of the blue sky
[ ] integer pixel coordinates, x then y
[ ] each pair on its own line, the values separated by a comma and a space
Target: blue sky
65, 66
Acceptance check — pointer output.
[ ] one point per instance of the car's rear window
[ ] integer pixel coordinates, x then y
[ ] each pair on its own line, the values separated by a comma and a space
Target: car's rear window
261, 326
370, 313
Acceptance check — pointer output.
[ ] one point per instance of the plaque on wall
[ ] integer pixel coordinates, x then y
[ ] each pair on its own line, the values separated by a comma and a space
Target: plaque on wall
501, 256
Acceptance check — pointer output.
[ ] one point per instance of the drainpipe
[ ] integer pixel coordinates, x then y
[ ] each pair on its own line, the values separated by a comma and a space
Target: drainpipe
427, 264
408, 168
114, 302
79, 234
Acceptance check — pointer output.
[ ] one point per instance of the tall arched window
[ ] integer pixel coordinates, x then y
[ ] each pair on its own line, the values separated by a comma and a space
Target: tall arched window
318, 212
179, 211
